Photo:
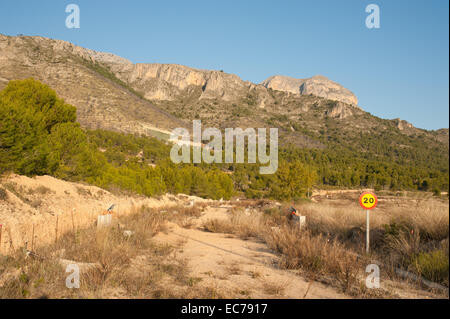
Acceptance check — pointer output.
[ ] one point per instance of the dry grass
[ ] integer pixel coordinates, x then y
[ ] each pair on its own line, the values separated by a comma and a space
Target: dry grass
330, 247
315, 255
183, 216
234, 269
83, 191
326, 250
429, 217
298, 249
275, 288
27, 195
399, 234
120, 266
255, 274
18, 191
3, 194
42, 190
244, 225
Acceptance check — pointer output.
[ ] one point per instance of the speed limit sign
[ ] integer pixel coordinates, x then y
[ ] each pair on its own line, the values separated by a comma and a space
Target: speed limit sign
368, 200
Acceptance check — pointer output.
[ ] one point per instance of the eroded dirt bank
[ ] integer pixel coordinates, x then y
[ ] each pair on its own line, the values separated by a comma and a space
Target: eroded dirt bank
37, 211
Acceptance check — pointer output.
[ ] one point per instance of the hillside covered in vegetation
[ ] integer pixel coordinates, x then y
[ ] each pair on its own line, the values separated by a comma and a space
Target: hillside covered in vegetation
39, 135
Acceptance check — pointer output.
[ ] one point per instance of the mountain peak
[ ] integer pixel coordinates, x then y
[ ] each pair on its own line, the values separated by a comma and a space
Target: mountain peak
317, 85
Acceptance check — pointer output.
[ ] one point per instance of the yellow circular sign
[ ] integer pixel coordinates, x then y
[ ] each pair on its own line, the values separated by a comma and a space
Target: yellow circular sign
368, 200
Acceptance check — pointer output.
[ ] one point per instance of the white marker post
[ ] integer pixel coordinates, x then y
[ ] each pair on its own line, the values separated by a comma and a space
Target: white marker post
367, 231
368, 201
301, 221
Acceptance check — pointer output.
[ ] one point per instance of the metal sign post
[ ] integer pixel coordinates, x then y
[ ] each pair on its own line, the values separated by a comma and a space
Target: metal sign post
368, 201
367, 232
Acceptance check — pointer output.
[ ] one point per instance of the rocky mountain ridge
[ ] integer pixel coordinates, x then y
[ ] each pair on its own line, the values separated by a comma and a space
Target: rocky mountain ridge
164, 81
159, 81
111, 92
317, 85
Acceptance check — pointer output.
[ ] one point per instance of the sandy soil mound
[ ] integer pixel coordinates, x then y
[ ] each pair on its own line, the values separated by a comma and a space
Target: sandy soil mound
35, 211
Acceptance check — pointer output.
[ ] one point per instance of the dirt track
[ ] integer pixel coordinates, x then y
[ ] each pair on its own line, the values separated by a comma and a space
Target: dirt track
238, 267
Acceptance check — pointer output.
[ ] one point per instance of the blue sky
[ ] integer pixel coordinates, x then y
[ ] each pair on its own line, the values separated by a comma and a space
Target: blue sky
400, 70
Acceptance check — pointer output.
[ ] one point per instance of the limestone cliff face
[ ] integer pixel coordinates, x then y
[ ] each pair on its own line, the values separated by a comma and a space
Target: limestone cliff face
226, 86
317, 85
402, 124
167, 81
340, 111
176, 75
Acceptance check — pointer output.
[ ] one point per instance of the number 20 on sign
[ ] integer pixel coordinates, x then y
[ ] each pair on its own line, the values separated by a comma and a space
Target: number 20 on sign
368, 201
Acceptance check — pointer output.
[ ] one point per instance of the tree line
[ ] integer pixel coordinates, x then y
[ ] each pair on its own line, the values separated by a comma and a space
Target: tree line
39, 135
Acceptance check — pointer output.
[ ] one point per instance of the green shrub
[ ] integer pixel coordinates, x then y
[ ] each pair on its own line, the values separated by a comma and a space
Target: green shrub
436, 192
433, 266
394, 229
28, 112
